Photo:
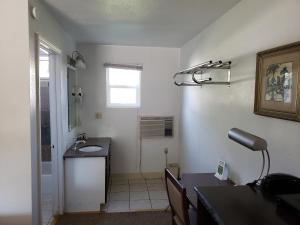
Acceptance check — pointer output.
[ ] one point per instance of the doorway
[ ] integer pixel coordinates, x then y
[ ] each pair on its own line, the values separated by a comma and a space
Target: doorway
48, 132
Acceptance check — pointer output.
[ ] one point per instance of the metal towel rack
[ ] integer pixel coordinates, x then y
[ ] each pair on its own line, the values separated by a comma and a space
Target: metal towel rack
200, 69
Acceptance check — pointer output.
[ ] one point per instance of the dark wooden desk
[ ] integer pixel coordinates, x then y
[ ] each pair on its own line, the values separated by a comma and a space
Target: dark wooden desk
190, 180
240, 205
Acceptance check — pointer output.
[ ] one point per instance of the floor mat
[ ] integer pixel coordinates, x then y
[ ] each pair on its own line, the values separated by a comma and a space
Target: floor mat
125, 218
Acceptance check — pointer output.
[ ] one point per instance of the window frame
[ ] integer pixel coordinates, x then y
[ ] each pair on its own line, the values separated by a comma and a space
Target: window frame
137, 88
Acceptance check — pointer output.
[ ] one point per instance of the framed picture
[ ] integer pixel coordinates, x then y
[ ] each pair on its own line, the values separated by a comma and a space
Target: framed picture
277, 86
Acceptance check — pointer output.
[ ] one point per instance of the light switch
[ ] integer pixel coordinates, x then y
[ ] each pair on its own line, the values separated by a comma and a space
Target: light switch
98, 115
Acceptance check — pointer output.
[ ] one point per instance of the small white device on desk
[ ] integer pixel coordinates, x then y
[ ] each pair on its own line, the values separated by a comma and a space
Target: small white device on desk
222, 171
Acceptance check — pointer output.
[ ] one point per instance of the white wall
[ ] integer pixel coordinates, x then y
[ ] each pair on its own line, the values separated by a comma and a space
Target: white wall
48, 28
209, 112
15, 158
158, 97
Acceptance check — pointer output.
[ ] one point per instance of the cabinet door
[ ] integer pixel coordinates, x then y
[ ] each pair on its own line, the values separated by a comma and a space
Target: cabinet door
84, 184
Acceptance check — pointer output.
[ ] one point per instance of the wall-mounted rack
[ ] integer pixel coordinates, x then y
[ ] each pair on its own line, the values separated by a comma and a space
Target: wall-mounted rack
201, 69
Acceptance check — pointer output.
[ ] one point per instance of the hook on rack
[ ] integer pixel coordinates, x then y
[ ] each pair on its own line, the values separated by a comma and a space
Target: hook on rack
198, 69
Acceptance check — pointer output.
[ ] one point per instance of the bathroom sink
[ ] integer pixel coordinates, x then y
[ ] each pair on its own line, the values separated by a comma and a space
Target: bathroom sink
90, 149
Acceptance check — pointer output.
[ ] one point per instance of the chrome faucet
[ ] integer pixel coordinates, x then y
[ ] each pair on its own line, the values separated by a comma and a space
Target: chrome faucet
80, 139
81, 136
77, 143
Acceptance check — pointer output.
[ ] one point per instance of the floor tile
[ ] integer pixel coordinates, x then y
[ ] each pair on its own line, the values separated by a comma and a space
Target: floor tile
46, 216
119, 187
155, 186
139, 195
46, 208
119, 196
140, 205
138, 187
159, 204
137, 181
154, 181
119, 181
118, 206
158, 195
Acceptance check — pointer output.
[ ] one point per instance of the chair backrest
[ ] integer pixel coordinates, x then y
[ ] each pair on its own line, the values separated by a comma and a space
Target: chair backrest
177, 199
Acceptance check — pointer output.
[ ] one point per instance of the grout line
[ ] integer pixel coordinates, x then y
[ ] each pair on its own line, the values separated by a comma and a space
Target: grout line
129, 207
108, 197
128, 183
148, 194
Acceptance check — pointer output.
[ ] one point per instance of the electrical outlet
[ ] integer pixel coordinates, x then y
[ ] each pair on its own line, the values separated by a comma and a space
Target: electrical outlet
166, 150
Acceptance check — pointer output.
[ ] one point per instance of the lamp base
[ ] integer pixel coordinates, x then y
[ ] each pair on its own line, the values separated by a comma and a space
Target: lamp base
253, 183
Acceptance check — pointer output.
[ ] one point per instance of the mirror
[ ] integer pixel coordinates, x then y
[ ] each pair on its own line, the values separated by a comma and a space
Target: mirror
72, 108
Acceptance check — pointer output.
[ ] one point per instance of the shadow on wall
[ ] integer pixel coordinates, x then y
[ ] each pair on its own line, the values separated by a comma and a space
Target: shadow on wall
245, 74
216, 46
209, 113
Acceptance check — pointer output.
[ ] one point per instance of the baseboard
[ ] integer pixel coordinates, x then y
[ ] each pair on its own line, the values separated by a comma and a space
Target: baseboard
82, 212
55, 221
167, 209
150, 175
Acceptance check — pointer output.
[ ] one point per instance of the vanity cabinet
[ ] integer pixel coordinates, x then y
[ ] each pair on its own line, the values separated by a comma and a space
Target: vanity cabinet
87, 177
107, 176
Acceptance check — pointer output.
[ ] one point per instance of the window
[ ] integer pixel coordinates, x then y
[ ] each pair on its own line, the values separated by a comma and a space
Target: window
123, 87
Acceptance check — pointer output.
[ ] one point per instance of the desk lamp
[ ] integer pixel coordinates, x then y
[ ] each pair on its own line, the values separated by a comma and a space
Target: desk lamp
253, 143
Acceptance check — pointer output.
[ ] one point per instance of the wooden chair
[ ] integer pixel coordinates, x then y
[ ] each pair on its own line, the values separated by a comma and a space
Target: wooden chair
181, 215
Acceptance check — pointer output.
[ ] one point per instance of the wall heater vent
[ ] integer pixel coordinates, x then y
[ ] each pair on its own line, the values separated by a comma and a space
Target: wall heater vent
154, 126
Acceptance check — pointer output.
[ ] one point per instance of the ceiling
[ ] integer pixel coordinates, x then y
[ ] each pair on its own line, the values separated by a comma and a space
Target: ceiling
168, 23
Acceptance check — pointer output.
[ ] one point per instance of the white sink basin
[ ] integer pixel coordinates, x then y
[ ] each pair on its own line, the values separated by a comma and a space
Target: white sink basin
90, 149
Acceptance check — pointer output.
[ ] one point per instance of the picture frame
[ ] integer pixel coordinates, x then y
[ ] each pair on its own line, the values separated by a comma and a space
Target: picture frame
277, 84
222, 171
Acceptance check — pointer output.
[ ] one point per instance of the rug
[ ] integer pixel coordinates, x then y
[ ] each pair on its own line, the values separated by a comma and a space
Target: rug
124, 218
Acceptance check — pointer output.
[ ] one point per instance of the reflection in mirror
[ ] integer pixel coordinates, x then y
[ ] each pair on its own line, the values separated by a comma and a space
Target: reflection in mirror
72, 109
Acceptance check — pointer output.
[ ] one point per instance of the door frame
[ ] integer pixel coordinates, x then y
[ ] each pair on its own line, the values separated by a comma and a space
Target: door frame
35, 131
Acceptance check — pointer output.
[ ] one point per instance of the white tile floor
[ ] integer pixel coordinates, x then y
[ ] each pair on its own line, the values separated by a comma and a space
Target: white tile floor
46, 209
136, 194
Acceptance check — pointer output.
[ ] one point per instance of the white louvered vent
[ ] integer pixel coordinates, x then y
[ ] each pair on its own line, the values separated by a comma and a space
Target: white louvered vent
154, 126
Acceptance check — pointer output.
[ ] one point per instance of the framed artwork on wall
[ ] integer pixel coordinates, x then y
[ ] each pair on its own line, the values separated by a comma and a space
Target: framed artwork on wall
277, 84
